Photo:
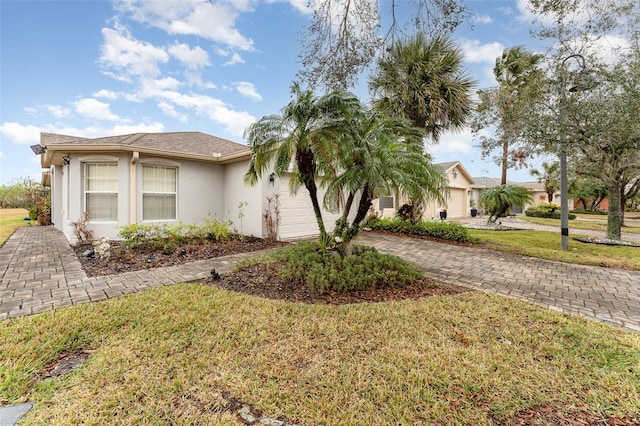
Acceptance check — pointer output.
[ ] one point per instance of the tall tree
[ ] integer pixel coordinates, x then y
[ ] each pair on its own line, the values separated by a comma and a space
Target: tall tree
549, 177
345, 35
423, 80
303, 134
504, 107
606, 144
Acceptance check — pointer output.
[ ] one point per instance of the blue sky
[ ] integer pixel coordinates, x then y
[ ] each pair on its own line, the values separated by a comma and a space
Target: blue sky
99, 68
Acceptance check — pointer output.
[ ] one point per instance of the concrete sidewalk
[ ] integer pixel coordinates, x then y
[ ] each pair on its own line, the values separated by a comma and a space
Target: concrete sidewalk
40, 272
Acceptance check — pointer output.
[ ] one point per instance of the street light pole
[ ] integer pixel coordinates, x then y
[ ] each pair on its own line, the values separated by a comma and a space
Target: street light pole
564, 185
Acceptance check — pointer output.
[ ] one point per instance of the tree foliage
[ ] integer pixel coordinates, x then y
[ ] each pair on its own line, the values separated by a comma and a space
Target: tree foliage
597, 126
345, 35
423, 80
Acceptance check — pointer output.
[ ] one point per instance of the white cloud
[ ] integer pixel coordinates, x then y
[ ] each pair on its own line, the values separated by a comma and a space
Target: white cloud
105, 94
93, 108
213, 20
215, 109
31, 110
170, 111
484, 19
58, 111
127, 55
2, 155
248, 90
21, 134
476, 52
193, 58
453, 143
235, 59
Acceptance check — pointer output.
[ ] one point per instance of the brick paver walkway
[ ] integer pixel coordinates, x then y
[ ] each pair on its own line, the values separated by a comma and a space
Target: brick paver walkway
40, 272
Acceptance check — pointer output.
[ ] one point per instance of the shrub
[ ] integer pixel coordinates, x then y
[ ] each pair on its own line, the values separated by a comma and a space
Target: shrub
324, 270
594, 212
546, 214
445, 230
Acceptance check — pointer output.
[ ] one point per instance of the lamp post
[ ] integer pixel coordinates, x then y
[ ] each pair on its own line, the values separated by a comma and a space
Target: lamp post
564, 186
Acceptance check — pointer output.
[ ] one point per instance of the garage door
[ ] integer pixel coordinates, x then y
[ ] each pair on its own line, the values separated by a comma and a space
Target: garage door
297, 217
457, 205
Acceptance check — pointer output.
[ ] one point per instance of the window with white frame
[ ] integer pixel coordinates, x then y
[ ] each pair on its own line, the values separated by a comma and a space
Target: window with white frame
159, 192
101, 191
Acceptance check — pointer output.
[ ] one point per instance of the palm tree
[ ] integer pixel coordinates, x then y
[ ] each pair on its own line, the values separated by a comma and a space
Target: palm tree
549, 177
303, 134
380, 156
518, 77
423, 81
499, 199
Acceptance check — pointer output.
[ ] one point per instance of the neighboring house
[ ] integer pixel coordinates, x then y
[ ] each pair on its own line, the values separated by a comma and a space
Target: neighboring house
535, 188
165, 177
458, 205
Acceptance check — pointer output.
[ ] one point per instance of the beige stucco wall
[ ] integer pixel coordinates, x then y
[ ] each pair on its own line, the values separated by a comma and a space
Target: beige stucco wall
236, 192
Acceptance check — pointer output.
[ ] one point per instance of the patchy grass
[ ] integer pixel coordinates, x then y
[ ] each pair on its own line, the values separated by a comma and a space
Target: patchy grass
170, 355
590, 222
10, 220
547, 245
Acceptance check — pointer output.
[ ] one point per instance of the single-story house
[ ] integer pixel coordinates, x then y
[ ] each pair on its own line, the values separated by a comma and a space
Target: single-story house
165, 177
535, 188
460, 195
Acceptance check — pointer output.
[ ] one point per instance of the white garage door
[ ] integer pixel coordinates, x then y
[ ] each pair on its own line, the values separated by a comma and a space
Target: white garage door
457, 205
297, 217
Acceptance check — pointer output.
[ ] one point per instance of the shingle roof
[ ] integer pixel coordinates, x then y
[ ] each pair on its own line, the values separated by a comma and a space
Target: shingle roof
490, 182
197, 143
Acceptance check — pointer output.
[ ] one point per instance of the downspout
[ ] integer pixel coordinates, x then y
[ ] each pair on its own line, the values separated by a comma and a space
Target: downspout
133, 185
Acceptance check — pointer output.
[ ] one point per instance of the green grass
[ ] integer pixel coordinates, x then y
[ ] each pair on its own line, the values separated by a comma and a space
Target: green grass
10, 220
547, 245
595, 223
166, 356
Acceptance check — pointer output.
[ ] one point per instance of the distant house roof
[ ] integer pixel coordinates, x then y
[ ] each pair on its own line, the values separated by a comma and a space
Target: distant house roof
194, 145
449, 165
489, 182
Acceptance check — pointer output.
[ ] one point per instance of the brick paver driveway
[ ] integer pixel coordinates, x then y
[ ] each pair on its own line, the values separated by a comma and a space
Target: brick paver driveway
605, 294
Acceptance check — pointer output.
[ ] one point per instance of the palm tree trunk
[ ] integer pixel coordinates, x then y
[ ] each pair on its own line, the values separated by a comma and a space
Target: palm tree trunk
505, 154
306, 167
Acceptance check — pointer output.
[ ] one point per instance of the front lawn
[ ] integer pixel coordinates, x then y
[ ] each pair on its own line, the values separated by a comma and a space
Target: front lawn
547, 245
189, 354
595, 223
10, 219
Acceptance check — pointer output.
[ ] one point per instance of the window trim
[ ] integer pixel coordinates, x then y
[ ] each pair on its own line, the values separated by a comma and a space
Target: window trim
99, 161
163, 165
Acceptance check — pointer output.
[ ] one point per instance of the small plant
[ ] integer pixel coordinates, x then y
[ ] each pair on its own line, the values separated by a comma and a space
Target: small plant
271, 217
241, 206
80, 228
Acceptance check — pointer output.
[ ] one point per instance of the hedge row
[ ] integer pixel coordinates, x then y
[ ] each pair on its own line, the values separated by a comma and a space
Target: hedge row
442, 229
546, 214
595, 212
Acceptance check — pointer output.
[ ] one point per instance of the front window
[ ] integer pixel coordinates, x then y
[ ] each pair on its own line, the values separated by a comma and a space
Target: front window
159, 193
101, 191
387, 203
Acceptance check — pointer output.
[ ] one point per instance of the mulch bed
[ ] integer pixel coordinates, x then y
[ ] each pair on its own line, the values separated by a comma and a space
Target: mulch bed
263, 281
125, 259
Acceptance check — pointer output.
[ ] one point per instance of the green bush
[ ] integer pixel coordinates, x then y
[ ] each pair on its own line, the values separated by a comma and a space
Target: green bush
546, 214
445, 230
166, 235
594, 212
324, 270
